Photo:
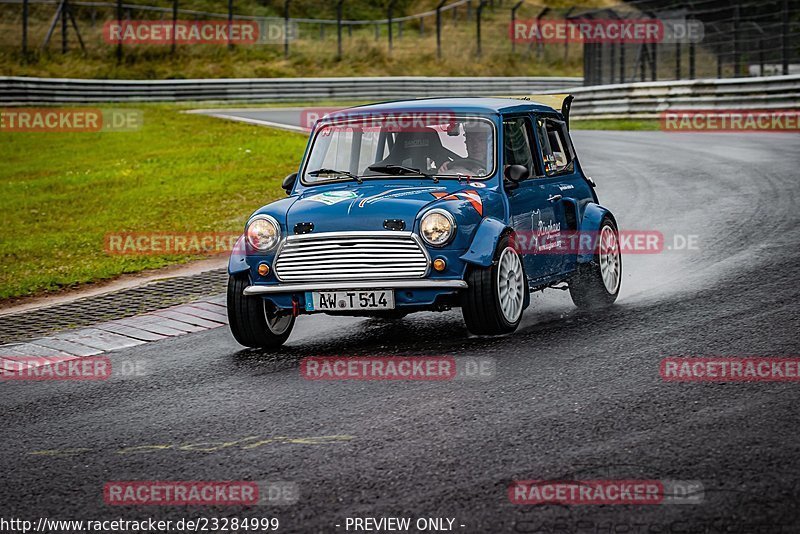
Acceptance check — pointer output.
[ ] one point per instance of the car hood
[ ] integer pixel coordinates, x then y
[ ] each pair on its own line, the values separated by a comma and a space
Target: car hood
367, 206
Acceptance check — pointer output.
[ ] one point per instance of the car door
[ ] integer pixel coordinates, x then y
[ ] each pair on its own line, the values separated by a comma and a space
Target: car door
530, 209
566, 183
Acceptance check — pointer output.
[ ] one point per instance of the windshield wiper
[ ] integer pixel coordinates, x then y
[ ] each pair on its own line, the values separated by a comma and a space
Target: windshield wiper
402, 169
334, 172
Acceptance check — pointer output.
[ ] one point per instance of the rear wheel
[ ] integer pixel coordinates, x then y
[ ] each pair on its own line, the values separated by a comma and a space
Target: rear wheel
596, 284
253, 321
493, 302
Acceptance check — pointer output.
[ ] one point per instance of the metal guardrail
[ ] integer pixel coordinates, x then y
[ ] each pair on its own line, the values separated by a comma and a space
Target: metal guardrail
641, 99
26, 91
649, 99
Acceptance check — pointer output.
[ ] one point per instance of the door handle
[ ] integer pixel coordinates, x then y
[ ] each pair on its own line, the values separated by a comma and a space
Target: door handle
554, 198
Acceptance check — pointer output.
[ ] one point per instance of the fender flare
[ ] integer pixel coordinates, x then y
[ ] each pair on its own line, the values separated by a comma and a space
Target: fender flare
593, 216
484, 243
237, 263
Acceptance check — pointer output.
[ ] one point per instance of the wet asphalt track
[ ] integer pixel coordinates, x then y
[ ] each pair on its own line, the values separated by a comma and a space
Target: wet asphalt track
576, 395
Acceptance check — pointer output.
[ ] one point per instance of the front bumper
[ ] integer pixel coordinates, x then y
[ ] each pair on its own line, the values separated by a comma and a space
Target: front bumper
347, 285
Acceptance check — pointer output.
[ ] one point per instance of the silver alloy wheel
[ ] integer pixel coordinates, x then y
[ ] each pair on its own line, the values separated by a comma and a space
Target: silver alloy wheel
609, 259
277, 323
510, 284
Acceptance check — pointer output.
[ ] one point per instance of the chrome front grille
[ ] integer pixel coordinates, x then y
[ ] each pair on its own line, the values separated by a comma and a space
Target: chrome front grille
351, 256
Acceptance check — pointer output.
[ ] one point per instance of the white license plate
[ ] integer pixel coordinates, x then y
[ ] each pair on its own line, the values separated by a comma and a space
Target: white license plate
350, 300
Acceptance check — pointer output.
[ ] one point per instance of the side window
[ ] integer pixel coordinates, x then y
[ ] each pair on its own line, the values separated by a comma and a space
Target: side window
557, 153
517, 143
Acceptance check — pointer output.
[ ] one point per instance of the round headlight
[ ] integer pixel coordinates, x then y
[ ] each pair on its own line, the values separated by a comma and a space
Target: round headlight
437, 227
263, 232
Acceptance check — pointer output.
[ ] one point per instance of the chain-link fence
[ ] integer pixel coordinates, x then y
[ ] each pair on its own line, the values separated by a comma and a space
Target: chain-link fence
733, 39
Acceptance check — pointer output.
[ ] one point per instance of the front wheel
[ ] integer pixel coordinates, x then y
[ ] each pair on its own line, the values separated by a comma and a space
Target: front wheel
493, 302
596, 284
253, 322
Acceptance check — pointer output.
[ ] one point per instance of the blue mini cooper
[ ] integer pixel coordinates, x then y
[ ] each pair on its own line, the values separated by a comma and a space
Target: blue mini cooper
426, 205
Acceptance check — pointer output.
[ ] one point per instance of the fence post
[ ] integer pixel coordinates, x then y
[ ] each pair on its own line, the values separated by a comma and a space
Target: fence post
119, 21
736, 41
539, 44
691, 61
63, 27
439, 28
339, 29
612, 60
588, 63
599, 72
286, 28
621, 62
478, 14
174, 24
514, 24
785, 37
389, 17
654, 63
24, 29
230, 24
566, 35
642, 66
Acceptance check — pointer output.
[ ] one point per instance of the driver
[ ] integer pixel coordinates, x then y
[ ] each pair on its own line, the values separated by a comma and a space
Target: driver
477, 135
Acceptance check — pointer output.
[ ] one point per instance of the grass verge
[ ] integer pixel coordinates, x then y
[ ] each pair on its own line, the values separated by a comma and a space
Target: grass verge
63, 193
615, 124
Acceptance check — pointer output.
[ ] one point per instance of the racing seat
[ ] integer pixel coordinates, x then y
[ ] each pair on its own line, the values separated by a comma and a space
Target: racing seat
417, 149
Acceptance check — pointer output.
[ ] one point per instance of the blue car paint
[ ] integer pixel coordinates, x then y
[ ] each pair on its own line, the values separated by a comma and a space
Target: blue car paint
593, 215
237, 263
483, 246
408, 198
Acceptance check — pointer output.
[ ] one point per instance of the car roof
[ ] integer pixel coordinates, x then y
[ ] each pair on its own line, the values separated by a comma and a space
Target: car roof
466, 104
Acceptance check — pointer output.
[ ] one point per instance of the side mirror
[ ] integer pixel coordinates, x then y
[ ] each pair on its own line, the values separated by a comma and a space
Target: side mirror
288, 183
516, 173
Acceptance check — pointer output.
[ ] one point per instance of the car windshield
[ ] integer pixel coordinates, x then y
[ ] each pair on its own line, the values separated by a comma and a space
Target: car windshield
432, 146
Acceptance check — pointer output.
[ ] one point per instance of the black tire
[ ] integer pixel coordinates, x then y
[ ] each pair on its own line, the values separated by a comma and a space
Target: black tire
480, 302
586, 286
247, 318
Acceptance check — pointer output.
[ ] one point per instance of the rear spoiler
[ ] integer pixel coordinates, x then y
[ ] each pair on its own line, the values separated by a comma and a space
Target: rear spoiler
559, 102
